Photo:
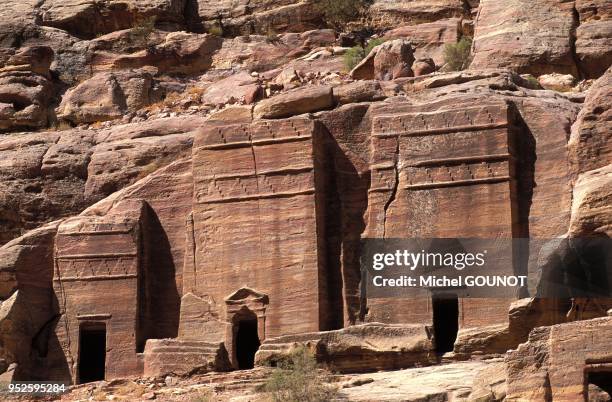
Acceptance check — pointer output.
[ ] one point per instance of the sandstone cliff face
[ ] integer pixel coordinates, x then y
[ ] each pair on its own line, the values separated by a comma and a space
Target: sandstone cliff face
165, 135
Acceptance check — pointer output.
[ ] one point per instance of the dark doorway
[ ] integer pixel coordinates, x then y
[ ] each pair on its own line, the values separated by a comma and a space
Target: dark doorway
92, 354
247, 343
600, 386
446, 322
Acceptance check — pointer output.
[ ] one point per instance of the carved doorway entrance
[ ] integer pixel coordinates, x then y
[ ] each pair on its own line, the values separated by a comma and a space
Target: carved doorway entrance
246, 326
599, 385
247, 340
446, 321
92, 353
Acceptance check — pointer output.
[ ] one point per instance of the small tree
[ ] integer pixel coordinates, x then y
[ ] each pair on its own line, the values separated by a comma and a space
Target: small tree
457, 55
340, 12
297, 379
354, 55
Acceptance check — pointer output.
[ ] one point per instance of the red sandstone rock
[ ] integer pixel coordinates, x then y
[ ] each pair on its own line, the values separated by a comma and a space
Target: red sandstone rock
389, 13
50, 175
299, 101
591, 140
428, 40
243, 17
107, 96
527, 36
592, 203
86, 18
593, 37
25, 98
358, 91
560, 361
239, 88
361, 348
391, 60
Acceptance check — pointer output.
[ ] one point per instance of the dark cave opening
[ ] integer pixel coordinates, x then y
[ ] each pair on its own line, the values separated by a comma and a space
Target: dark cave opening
92, 354
602, 380
247, 343
446, 322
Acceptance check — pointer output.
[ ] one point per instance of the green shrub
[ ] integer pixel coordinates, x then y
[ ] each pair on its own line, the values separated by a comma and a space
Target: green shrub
457, 55
354, 55
297, 379
215, 30
340, 12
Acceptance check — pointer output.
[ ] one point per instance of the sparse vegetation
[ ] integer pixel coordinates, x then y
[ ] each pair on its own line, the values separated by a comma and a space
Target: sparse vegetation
341, 12
297, 379
458, 55
202, 395
355, 54
215, 30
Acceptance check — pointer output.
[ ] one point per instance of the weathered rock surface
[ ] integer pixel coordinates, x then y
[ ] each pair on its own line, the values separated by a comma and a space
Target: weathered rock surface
389, 13
591, 139
25, 89
50, 175
592, 203
298, 101
593, 37
453, 381
243, 17
179, 53
358, 91
87, 18
239, 88
552, 364
368, 347
107, 96
391, 60
528, 36
428, 40
24, 100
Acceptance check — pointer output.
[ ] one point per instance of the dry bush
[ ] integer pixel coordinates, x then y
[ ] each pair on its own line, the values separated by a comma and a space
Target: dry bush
297, 379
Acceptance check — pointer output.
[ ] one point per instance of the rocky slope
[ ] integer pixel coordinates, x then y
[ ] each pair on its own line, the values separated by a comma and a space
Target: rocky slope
101, 102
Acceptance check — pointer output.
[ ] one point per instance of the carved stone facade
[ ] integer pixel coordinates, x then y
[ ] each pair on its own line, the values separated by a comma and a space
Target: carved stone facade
257, 224
443, 171
254, 241
98, 283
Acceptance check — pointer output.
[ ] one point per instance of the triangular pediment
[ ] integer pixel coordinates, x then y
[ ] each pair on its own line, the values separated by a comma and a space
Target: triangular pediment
247, 294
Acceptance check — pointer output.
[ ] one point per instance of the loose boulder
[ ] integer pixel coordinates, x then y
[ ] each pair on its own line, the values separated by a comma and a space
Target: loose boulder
299, 101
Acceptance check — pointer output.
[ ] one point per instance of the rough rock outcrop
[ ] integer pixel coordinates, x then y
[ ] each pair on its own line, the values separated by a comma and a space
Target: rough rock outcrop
237, 88
592, 203
428, 40
391, 60
245, 17
367, 347
179, 53
298, 101
594, 37
528, 36
388, 13
559, 362
25, 89
87, 18
591, 139
50, 175
107, 96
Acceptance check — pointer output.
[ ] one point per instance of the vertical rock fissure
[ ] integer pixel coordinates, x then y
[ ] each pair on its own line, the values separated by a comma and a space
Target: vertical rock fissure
395, 185
257, 190
573, 38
